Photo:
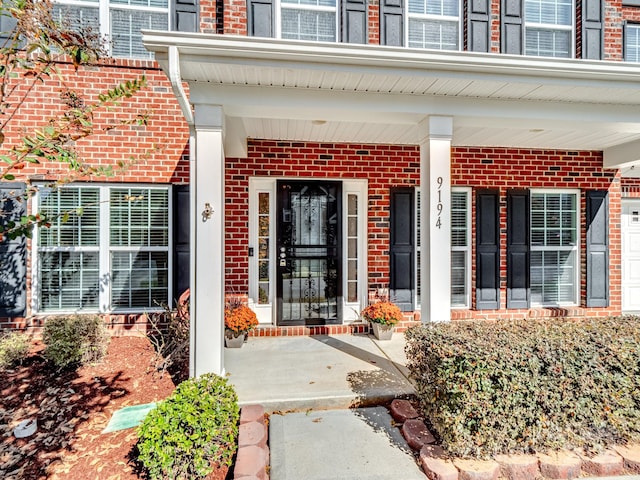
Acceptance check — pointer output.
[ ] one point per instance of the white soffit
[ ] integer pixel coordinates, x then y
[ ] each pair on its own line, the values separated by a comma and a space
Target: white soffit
280, 89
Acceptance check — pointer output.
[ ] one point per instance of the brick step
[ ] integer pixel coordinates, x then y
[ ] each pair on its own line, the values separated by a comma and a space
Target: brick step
302, 331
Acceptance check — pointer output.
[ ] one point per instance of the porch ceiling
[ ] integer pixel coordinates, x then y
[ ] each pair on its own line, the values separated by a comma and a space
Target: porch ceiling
292, 90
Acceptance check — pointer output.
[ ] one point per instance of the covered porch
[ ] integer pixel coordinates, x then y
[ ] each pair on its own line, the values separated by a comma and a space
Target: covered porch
244, 88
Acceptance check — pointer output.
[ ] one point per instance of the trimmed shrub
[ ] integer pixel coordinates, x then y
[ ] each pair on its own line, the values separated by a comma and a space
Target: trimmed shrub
528, 386
73, 340
14, 347
191, 431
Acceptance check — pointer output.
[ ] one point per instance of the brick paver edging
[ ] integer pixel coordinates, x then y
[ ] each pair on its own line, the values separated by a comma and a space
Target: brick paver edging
252, 459
558, 465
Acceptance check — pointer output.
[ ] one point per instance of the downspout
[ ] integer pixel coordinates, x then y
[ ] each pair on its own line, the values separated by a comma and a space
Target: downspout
175, 77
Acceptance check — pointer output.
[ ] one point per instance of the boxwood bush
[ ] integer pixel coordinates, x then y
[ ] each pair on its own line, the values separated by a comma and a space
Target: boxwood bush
72, 340
528, 386
14, 347
191, 431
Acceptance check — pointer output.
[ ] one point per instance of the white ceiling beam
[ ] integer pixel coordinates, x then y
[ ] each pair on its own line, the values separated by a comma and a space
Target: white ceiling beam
305, 104
623, 156
235, 139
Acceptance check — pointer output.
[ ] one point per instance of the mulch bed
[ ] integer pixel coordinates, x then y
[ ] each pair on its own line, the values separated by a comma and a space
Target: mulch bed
72, 408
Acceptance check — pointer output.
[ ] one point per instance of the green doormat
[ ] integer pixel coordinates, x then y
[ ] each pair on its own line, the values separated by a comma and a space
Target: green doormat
128, 417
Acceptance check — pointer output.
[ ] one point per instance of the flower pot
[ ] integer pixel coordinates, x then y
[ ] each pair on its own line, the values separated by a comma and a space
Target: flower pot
382, 331
232, 341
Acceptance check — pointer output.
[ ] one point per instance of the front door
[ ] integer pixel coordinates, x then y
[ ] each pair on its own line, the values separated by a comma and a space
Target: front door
308, 252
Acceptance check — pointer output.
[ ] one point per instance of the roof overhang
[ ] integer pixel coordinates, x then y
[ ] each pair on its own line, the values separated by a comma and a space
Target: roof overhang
291, 90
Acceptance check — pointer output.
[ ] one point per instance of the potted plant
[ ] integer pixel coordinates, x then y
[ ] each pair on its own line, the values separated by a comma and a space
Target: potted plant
383, 316
238, 320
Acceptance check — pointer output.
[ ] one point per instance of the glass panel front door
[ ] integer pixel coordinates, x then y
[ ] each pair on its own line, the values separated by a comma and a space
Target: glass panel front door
308, 252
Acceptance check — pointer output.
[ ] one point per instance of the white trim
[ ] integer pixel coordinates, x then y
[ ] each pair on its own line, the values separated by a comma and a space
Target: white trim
553, 27
629, 282
278, 5
104, 252
353, 58
266, 313
417, 301
437, 18
468, 248
104, 303
351, 310
575, 248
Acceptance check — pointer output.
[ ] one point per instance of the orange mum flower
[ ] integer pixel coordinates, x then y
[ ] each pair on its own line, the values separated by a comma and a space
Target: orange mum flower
240, 319
386, 313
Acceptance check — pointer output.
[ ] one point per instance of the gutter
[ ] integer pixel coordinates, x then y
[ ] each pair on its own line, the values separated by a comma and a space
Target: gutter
175, 78
268, 52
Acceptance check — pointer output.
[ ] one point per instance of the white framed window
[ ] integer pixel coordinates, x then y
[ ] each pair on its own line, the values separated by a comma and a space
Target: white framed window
434, 24
354, 201
312, 20
632, 42
262, 234
119, 21
107, 249
555, 247
460, 247
549, 28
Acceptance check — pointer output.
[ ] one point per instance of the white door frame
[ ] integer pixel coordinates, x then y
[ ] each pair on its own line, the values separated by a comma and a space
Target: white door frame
266, 312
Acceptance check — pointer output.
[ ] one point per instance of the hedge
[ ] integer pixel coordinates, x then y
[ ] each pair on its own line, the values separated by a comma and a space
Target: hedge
528, 386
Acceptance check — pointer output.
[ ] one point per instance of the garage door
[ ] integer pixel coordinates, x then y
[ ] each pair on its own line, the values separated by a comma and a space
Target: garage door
631, 255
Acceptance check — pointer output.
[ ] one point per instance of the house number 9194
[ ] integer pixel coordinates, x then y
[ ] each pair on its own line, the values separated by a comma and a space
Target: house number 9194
439, 205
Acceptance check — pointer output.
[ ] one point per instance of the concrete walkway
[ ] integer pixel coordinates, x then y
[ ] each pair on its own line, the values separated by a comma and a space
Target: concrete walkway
309, 384
340, 445
322, 372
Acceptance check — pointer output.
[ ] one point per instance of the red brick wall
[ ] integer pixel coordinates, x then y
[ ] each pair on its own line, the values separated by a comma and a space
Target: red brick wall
505, 168
159, 150
235, 17
374, 22
384, 166
388, 166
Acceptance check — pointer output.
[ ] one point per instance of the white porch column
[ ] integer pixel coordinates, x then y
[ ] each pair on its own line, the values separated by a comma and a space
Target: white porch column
207, 243
435, 219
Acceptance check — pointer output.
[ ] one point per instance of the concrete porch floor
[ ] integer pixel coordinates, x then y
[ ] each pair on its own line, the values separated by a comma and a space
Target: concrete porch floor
318, 372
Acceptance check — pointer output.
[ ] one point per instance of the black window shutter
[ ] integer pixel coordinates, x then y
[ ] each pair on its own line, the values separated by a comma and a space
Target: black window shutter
185, 17
402, 247
487, 249
13, 253
260, 18
592, 29
512, 26
354, 21
478, 28
7, 23
518, 292
181, 239
392, 23
597, 248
